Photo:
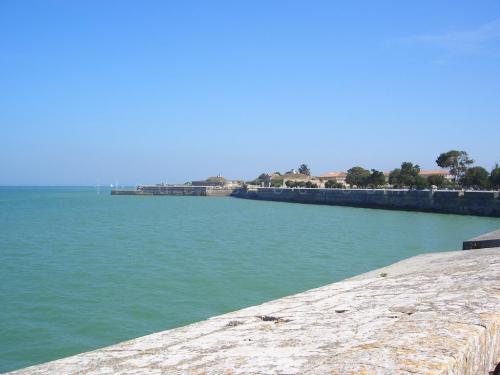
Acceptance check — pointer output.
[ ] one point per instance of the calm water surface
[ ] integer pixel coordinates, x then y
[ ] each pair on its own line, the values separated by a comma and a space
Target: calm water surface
81, 269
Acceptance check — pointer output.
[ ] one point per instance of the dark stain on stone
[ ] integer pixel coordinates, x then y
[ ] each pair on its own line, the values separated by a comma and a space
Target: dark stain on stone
340, 311
275, 319
408, 310
234, 323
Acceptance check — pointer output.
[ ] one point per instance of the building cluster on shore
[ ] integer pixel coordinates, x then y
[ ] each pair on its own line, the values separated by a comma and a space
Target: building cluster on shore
457, 172
338, 179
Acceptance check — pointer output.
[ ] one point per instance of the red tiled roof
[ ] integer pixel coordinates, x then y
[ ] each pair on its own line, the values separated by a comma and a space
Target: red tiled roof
431, 172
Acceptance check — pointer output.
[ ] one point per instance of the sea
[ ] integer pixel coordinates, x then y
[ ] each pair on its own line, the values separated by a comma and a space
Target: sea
81, 269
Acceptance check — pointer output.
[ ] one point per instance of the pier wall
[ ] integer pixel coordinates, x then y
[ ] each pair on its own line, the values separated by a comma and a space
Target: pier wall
443, 201
179, 190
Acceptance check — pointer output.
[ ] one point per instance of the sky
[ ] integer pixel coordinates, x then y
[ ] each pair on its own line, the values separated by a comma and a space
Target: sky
129, 92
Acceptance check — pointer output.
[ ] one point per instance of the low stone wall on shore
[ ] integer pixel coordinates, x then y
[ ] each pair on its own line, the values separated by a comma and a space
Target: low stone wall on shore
481, 203
178, 190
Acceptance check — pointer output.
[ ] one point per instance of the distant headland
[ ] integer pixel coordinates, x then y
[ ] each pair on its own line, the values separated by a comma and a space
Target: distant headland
457, 188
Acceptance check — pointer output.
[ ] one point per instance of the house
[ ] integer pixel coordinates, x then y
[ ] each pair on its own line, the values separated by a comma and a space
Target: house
335, 176
427, 173
436, 172
296, 177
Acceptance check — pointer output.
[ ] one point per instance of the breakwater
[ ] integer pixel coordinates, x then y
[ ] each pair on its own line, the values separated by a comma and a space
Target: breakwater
177, 190
481, 203
434, 313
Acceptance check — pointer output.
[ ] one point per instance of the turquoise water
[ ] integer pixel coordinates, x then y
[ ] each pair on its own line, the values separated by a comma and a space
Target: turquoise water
81, 269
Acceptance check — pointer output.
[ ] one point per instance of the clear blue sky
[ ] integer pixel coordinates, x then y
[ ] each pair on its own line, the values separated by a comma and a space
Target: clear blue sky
99, 92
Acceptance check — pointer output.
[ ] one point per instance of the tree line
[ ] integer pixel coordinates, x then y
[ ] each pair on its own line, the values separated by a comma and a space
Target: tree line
458, 163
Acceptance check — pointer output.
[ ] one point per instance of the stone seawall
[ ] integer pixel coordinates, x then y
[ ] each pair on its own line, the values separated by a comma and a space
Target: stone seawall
180, 190
435, 313
441, 201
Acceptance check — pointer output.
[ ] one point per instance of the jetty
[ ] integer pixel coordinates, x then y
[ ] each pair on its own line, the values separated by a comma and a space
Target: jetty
177, 190
479, 203
436, 313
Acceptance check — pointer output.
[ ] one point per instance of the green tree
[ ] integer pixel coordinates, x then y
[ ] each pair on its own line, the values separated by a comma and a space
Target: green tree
358, 176
376, 178
332, 184
420, 182
277, 182
495, 177
395, 178
436, 180
263, 178
304, 169
406, 176
456, 161
475, 177
409, 173
310, 184
294, 184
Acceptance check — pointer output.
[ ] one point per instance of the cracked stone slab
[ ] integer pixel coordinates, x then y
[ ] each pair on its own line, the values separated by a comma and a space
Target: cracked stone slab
435, 313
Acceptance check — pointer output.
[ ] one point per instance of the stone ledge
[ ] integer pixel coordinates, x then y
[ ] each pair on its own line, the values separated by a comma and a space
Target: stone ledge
431, 314
491, 239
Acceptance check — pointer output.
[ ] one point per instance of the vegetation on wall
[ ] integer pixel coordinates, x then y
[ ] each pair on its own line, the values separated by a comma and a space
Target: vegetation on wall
376, 179
332, 184
436, 180
295, 184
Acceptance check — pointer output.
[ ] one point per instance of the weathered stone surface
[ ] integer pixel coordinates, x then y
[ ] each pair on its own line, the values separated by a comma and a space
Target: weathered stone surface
431, 314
